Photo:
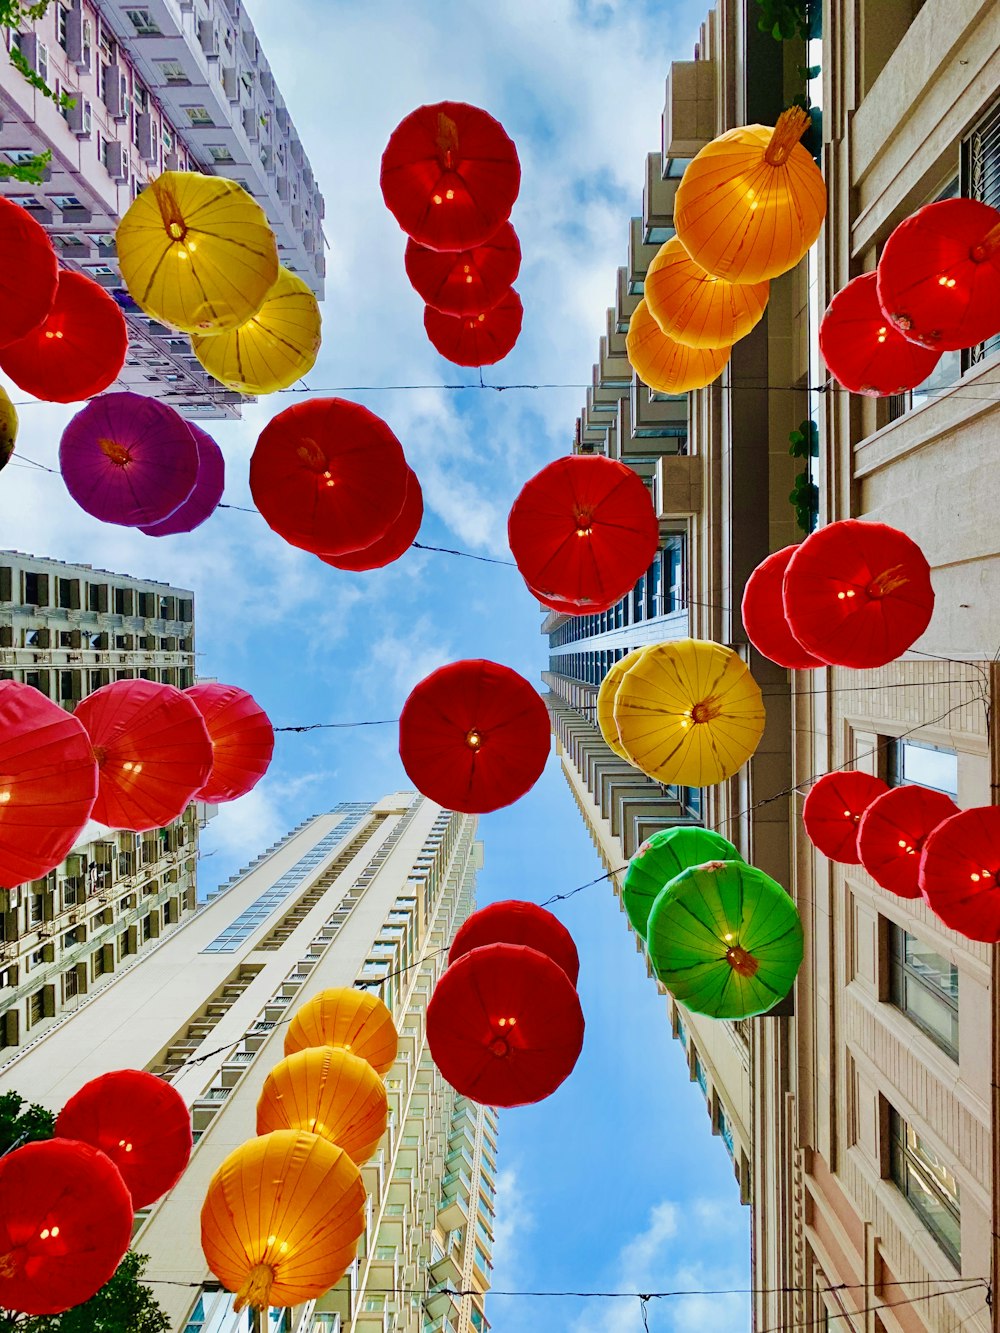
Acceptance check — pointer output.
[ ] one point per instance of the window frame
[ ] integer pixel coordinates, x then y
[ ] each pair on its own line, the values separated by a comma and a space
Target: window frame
902, 1156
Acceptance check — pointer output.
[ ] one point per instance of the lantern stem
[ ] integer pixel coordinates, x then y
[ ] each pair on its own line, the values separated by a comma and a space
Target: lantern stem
743, 964
8, 1265
256, 1289
447, 141
987, 247
791, 126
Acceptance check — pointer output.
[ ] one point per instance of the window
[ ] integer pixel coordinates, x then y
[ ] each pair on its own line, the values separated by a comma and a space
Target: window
172, 73
927, 765
143, 22
36, 1007
925, 987
981, 180
725, 1131
220, 152
700, 1075
66, 201
199, 115
928, 1184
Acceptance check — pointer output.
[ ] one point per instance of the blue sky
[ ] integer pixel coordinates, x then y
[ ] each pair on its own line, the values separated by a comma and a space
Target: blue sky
616, 1180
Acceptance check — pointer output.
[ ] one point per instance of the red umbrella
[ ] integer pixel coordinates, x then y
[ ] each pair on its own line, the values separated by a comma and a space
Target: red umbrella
892, 833
464, 282
28, 280
764, 614
77, 351
504, 1025
517, 922
583, 530
863, 350
65, 1224
399, 537
858, 594
833, 810
561, 605
479, 339
137, 1120
242, 740
450, 175
328, 475
960, 873
48, 782
474, 736
939, 275
152, 749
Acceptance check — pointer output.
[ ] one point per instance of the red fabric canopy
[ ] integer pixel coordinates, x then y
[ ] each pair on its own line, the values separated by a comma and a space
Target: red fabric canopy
398, 538
764, 614
242, 740
559, 604
939, 275
328, 475
450, 175
960, 873
479, 339
833, 810
464, 282
140, 1122
48, 782
77, 351
152, 749
892, 833
65, 1224
863, 350
858, 594
28, 278
474, 736
582, 531
504, 1025
517, 922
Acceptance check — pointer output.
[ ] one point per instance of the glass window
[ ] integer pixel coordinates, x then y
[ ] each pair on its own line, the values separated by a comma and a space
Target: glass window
143, 22
926, 765
726, 1132
700, 1075
675, 168
925, 987
928, 1184
199, 115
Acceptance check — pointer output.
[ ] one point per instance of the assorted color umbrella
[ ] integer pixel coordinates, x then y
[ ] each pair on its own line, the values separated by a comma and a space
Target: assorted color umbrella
666, 365
893, 831
241, 736
862, 348
693, 307
764, 616
516, 922
464, 282
661, 859
833, 809
328, 1092
204, 499
959, 873
474, 736
346, 1019
480, 338
725, 940
27, 285
398, 538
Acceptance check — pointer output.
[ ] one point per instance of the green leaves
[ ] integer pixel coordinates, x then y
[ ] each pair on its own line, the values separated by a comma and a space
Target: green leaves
21, 1123
804, 442
784, 19
123, 1305
31, 172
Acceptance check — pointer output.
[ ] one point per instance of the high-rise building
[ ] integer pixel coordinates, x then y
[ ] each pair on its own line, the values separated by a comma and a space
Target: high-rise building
67, 630
865, 1105
368, 895
169, 85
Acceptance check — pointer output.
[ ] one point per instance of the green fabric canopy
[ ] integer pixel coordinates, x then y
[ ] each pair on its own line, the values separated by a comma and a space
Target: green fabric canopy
725, 940
661, 859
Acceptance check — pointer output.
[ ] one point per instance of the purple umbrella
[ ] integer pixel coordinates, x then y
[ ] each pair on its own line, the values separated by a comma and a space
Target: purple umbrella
207, 493
128, 459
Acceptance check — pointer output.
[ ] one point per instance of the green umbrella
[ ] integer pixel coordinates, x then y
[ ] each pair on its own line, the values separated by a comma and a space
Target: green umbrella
662, 858
725, 940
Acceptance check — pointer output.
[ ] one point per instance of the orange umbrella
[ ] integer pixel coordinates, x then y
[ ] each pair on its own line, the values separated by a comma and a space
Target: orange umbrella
328, 1092
354, 1020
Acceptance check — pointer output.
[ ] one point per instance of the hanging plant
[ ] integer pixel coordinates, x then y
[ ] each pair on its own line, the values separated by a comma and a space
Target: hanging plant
804, 443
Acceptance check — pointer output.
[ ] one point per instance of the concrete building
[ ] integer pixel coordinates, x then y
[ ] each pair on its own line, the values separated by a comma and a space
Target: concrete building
67, 630
868, 1100
169, 85
369, 895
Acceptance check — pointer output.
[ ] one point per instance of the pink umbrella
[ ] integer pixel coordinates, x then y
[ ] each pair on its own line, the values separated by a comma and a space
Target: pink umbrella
204, 499
128, 460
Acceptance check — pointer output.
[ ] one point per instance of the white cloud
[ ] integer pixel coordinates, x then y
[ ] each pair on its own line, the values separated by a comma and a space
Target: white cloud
514, 1222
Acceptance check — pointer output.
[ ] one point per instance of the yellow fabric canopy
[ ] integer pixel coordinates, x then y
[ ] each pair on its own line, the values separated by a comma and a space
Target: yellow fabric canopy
328, 1092
665, 365
349, 1019
606, 700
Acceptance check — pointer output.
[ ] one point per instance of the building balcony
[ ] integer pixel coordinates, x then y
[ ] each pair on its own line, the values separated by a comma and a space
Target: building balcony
679, 489
657, 202
689, 119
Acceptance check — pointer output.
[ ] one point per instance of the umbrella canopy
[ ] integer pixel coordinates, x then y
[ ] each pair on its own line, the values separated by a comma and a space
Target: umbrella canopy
725, 940
474, 736
48, 782
152, 750
450, 175
858, 594
129, 460
863, 350
694, 307
606, 695
959, 873
77, 351
28, 281
197, 252
833, 809
504, 1025
764, 614
663, 363
328, 475
516, 922
689, 712
480, 338
352, 1020
939, 275
140, 1122
8, 428
464, 282
328, 1092
751, 202
661, 859
397, 539
893, 831
583, 530
204, 499
242, 740
282, 1218
65, 1224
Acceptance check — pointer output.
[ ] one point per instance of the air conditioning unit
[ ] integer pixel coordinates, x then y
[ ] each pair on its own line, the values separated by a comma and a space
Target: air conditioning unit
34, 52
208, 36
145, 138
171, 160
13, 899
116, 161
116, 97
79, 38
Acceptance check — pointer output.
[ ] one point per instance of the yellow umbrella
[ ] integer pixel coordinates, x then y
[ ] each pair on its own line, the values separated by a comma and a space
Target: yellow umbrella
606, 700
665, 365
689, 712
8, 428
197, 252
274, 348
